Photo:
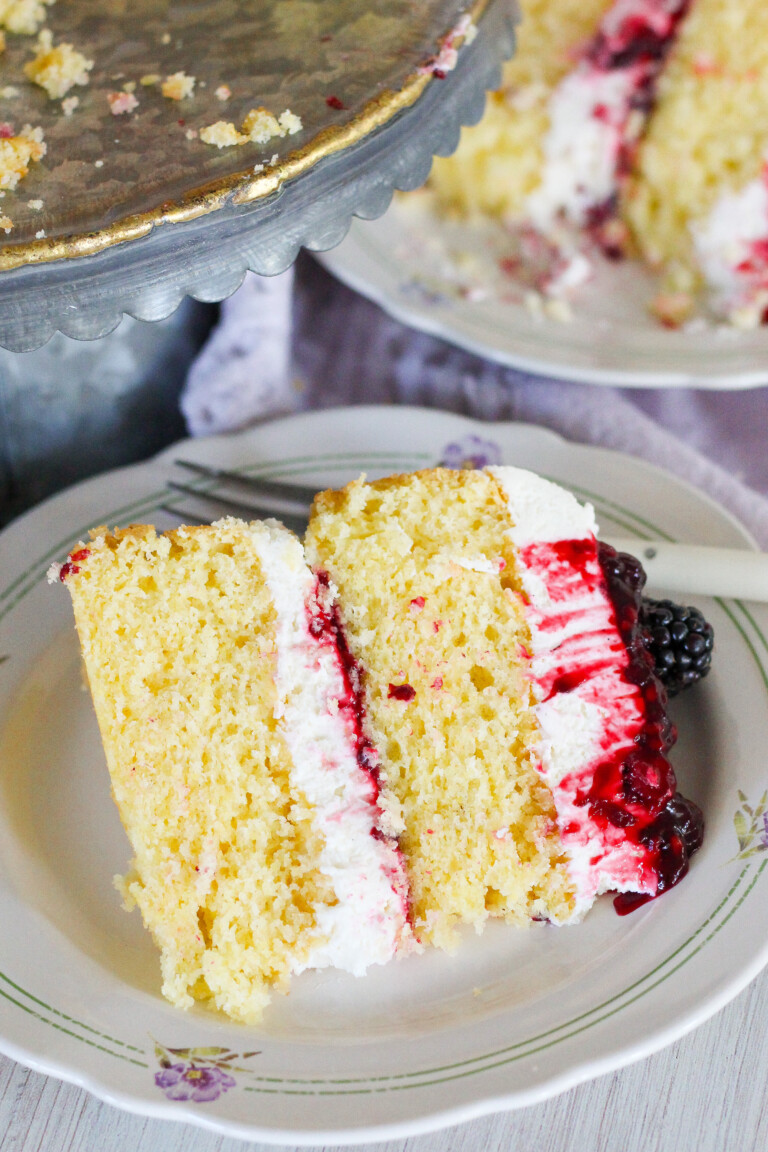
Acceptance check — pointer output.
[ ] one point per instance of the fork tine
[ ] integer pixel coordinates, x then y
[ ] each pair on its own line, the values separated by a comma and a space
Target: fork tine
239, 508
266, 504
296, 493
182, 515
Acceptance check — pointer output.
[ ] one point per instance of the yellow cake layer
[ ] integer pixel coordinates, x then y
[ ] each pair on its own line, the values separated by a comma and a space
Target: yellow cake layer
480, 836
498, 162
709, 131
178, 636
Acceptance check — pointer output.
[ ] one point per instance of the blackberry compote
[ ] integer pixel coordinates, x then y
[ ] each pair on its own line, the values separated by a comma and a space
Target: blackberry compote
640, 793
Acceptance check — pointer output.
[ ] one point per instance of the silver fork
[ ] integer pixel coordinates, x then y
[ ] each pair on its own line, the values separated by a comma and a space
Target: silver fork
687, 568
288, 502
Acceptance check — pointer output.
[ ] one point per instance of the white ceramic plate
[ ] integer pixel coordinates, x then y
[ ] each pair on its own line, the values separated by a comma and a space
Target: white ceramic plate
513, 1017
446, 278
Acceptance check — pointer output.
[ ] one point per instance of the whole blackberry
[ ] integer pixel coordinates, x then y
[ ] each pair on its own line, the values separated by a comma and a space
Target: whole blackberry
680, 641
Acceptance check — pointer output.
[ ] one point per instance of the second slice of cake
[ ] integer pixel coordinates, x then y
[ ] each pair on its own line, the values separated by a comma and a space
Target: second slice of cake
508, 689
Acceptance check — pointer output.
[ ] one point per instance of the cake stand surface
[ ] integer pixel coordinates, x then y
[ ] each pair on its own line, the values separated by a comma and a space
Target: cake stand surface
138, 212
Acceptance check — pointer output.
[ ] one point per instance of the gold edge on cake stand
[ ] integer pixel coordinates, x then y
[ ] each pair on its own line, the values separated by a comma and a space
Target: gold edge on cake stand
241, 188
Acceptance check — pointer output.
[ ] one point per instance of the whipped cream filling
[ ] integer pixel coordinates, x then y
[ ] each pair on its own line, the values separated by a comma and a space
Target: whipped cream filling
367, 923
731, 246
588, 112
587, 710
598, 111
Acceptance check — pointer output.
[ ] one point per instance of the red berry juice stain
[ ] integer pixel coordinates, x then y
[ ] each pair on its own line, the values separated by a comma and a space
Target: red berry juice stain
72, 565
635, 791
325, 625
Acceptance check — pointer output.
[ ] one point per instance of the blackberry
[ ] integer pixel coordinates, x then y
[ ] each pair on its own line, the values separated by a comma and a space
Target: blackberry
680, 641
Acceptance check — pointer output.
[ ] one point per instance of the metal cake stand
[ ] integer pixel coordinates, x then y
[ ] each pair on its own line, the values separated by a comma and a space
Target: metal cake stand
140, 237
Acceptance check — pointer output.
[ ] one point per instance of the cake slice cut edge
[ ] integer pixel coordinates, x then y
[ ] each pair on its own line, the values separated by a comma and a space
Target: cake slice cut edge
261, 845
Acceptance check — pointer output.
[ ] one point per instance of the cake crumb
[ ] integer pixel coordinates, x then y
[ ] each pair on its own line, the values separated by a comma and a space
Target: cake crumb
23, 17
6, 224
222, 134
534, 304
40, 235
35, 205
150, 78
290, 123
165, 38
57, 68
260, 125
191, 134
17, 153
9, 92
121, 102
672, 309
179, 86
98, 163
558, 309
129, 86
69, 104
222, 92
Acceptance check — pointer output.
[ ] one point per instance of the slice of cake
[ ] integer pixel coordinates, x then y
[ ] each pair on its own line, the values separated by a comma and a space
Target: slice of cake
698, 204
450, 716
510, 694
558, 141
499, 161
262, 833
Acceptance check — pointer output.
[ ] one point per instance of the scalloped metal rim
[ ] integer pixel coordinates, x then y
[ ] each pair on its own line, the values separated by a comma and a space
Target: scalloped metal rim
207, 256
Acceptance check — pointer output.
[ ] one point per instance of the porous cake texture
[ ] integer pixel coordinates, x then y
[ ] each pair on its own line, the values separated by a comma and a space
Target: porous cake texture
260, 848
433, 609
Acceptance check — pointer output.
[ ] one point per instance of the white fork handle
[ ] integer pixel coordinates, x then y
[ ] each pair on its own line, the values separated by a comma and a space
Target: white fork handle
699, 570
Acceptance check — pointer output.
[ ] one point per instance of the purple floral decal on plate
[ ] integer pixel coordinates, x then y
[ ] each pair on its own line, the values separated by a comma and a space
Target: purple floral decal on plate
197, 1074
751, 826
470, 452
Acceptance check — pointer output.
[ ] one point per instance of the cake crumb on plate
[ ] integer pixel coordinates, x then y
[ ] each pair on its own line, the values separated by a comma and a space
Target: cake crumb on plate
23, 17
17, 153
179, 86
57, 68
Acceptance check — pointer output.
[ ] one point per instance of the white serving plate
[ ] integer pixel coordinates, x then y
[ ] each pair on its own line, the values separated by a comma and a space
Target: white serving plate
513, 1017
445, 278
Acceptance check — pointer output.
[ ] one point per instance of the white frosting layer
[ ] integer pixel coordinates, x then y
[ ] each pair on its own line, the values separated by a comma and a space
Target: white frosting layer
731, 245
581, 147
574, 634
366, 924
542, 511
